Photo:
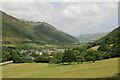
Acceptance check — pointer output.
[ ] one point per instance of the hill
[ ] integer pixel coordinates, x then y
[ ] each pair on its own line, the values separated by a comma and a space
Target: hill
111, 38
91, 36
18, 30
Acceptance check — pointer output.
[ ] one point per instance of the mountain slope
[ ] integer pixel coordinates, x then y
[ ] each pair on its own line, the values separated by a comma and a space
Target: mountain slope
92, 36
111, 38
17, 30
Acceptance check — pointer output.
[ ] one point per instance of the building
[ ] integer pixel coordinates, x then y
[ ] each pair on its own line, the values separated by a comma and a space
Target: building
30, 58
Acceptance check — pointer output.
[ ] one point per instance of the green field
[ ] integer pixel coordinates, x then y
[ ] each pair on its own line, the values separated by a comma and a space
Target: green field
99, 69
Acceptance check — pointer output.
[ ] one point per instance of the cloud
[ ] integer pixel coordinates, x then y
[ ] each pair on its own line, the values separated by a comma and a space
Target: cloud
59, 1
74, 18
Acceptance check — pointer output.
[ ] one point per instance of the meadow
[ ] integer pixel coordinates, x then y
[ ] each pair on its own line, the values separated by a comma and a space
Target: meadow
99, 69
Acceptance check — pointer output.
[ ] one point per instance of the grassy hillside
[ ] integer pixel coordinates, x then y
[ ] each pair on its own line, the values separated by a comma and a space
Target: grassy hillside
99, 69
92, 36
17, 30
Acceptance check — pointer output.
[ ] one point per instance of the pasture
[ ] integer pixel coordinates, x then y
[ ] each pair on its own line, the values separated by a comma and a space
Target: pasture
99, 69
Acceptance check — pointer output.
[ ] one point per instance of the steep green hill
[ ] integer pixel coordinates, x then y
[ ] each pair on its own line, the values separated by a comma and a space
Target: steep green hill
92, 36
17, 30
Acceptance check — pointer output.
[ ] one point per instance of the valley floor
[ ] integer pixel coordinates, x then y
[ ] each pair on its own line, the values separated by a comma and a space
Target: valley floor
99, 69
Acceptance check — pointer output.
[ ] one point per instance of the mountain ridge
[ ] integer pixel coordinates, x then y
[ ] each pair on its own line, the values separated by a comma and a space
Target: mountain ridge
32, 31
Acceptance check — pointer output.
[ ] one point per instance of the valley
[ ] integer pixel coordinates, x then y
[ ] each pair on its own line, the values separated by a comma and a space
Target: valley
51, 53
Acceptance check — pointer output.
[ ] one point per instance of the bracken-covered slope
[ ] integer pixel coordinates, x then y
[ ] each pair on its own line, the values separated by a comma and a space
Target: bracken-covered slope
14, 29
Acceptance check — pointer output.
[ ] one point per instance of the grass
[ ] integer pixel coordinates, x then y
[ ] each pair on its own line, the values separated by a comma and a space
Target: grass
99, 69
95, 47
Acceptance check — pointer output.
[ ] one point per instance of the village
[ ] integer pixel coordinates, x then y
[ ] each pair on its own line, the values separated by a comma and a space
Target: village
30, 57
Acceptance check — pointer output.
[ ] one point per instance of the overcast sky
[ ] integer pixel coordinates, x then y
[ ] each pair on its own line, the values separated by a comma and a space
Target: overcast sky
74, 18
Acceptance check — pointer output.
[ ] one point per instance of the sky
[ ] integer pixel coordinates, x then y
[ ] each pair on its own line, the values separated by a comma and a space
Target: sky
74, 18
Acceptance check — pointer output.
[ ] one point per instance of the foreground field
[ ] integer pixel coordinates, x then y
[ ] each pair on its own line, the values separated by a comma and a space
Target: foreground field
104, 68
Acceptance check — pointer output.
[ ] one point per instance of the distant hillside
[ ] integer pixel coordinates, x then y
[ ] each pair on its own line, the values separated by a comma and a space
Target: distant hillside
16, 30
92, 36
111, 38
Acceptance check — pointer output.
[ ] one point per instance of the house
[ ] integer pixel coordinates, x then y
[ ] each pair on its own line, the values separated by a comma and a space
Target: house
23, 51
30, 58
39, 53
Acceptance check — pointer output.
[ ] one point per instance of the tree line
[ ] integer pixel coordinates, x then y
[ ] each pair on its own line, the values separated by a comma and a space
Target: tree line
82, 54
79, 55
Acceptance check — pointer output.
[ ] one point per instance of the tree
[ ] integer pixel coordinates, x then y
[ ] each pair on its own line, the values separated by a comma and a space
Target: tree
34, 54
6, 55
41, 59
76, 52
58, 56
104, 48
116, 50
79, 56
80, 49
4, 58
90, 58
68, 56
16, 58
108, 55
93, 55
80, 59
46, 54
109, 40
53, 61
89, 45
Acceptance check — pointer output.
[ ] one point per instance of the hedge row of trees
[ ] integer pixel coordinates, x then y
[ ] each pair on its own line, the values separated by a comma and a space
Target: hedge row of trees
76, 56
11, 53
83, 54
80, 54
